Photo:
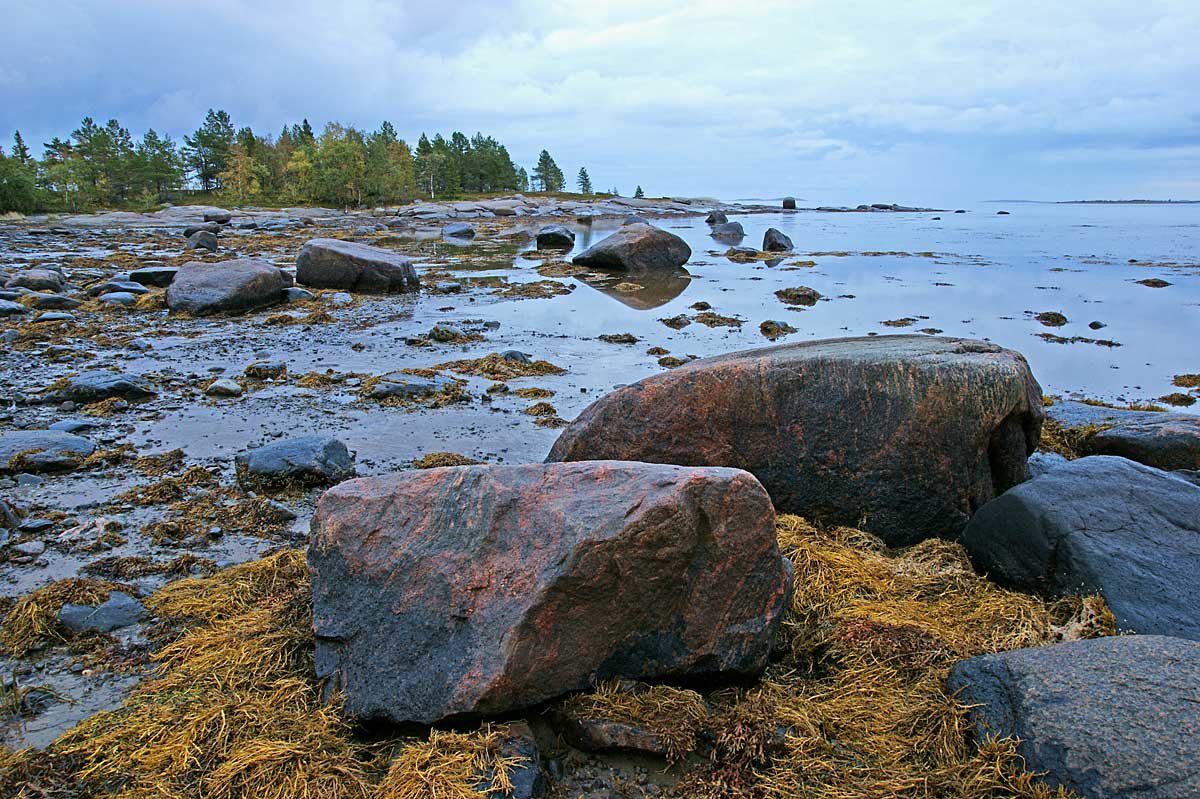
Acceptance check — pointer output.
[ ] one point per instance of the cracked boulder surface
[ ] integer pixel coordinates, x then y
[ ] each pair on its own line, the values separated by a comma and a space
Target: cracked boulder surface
1105, 718
482, 589
905, 436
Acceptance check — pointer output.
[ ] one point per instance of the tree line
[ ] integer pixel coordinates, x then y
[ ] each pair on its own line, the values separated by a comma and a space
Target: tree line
103, 166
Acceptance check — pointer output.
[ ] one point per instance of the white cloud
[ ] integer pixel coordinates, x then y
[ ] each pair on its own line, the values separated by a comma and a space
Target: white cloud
683, 97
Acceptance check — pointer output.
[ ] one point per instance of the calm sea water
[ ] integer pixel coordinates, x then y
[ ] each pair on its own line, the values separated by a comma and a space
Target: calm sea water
977, 274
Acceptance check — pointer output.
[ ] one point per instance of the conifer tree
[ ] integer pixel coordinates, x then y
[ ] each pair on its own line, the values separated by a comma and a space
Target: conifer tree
584, 181
639, 193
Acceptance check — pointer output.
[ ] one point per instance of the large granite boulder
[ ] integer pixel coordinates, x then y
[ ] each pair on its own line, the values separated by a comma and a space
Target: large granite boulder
775, 240
42, 451
637, 247
1100, 525
36, 279
308, 460
234, 286
728, 230
482, 589
98, 385
336, 264
555, 237
1107, 718
1160, 439
907, 435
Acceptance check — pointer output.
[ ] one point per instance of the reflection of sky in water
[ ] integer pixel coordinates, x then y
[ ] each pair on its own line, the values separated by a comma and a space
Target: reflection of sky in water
1067, 258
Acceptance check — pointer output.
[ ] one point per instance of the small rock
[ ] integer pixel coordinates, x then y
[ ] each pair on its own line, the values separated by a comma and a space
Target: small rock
555, 237
310, 460
775, 241
202, 240
31, 548
224, 387
459, 230
297, 294
119, 610
266, 370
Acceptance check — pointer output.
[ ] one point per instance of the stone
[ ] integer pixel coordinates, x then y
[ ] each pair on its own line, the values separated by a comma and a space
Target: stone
224, 387
98, 385
157, 276
111, 286
10, 308
912, 433
334, 264
716, 218
119, 610
635, 248
243, 284
36, 280
775, 241
555, 237
728, 230
404, 386
41, 451
341, 298
483, 589
266, 370
789, 203
1101, 525
118, 298
517, 356
221, 216
1160, 439
210, 227
634, 219
443, 333
309, 460
74, 425
53, 316
459, 230
1104, 718
1042, 462
57, 302
297, 294
202, 240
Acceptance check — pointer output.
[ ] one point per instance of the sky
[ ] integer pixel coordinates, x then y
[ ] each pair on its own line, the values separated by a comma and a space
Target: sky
916, 102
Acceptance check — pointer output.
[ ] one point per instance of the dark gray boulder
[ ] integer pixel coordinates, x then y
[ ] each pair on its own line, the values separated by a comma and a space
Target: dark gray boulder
459, 230
36, 280
1101, 525
637, 247
431, 598
775, 241
335, 264
157, 276
110, 286
716, 218
555, 237
210, 227
202, 240
789, 203
1109, 718
1161, 439
41, 451
97, 385
52, 302
309, 460
911, 432
234, 286
119, 610
728, 230
634, 219
220, 216
10, 308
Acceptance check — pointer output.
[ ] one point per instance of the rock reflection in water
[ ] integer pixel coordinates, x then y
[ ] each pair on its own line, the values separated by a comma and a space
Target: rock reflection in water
652, 288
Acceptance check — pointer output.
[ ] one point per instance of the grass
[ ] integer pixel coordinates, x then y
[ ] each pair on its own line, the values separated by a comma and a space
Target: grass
856, 708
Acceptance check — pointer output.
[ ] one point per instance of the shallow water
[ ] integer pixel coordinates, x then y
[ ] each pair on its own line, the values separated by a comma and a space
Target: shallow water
982, 275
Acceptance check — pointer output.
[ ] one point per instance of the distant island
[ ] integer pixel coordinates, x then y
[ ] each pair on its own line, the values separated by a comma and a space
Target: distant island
1128, 202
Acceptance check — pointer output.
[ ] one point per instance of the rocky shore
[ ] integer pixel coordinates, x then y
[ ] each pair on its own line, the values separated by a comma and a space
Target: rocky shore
387, 558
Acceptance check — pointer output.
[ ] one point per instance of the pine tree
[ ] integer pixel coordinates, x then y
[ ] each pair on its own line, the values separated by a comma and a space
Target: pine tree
639, 193
546, 174
584, 181
522, 179
20, 153
207, 150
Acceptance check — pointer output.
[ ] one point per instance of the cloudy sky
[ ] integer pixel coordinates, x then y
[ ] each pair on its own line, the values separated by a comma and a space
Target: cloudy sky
921, 101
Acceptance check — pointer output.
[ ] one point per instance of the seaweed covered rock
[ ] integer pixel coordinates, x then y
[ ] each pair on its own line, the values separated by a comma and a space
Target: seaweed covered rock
482, 589
243, 284
309, 460
42, 450
1105, 718
1159, 439
336, 264
637, 247
97, 385
909, 433
36, 279
1100, 525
